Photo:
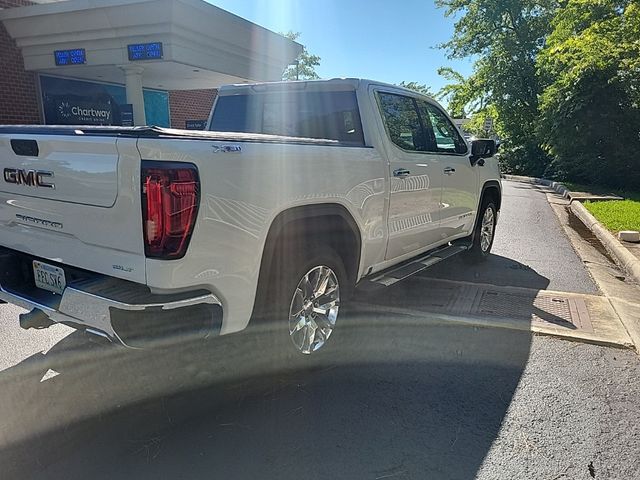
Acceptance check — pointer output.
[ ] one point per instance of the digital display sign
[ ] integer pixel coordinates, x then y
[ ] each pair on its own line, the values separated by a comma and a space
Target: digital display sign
145, 51
77, 56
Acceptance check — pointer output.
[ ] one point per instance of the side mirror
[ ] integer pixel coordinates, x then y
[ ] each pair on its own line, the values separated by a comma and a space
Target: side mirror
482, 148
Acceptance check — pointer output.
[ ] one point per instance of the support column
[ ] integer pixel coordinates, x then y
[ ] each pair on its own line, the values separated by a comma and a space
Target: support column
133, 85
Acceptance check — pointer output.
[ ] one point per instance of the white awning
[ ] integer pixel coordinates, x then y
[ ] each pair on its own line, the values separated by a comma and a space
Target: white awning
203, 45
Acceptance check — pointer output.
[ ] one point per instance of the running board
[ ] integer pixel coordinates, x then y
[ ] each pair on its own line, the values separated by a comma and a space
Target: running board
406, 269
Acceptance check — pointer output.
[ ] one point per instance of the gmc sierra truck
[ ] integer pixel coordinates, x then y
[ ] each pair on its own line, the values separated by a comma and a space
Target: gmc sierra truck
296, 193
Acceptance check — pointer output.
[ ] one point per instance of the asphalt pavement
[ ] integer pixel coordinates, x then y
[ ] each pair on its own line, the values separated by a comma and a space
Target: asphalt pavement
530, 248
394, 397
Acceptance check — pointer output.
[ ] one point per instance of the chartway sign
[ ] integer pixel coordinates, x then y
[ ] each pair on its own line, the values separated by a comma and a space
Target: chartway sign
74, 112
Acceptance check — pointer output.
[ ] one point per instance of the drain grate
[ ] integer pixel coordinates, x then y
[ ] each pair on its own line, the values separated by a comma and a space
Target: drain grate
517, 305
489, 302
560, 311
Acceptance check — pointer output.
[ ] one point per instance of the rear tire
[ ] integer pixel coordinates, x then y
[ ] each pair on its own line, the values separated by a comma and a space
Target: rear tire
308, 290
483, 234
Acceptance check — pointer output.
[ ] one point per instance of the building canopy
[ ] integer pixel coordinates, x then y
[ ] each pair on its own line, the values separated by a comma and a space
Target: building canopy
202, 46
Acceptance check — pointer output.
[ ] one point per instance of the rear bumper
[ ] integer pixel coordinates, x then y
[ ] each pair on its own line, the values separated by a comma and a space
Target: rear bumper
122, 311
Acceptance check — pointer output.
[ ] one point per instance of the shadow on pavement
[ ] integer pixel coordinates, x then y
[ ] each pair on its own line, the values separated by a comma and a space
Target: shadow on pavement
436, 291
391, 397
496, 270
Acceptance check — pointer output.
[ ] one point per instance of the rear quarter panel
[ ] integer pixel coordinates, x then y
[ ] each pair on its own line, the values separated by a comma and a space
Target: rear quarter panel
241, 194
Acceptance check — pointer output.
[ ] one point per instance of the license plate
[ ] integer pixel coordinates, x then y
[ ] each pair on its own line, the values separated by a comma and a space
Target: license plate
49, 277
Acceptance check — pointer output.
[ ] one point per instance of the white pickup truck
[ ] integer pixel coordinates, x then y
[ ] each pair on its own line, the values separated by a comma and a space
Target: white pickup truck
297, 192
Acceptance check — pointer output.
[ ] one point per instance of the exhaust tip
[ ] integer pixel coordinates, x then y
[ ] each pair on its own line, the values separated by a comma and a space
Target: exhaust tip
36, 318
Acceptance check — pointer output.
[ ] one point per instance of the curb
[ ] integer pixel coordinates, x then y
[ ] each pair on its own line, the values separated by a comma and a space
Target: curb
625, 258
558, 187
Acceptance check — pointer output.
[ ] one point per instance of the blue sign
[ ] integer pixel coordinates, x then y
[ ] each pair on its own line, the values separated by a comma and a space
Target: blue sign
145, 51
195, 124
77, 56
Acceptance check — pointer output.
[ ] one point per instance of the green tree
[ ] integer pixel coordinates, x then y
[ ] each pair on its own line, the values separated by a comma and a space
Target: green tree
476, 125
417, 87
590, 108
457, 92
466, 98
304, 67
507, 36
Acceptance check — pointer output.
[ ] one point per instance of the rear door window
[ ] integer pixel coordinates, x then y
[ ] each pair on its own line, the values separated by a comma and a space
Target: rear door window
401, 119
321, 115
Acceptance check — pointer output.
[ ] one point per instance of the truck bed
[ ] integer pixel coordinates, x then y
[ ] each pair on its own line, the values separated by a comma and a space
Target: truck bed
157, 132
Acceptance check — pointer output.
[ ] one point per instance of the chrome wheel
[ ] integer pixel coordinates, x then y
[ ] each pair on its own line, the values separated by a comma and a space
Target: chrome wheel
486, 230
314, 309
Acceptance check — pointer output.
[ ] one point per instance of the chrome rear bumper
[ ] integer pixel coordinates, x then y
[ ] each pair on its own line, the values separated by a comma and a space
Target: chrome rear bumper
119, 310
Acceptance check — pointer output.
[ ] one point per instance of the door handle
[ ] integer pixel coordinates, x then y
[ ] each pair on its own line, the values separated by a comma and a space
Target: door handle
449, 171
401, 172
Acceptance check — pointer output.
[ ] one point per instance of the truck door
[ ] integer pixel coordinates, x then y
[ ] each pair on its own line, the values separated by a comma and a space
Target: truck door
460, 178
415, 177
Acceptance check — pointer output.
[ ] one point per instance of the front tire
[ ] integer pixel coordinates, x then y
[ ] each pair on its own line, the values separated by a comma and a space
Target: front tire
484, 233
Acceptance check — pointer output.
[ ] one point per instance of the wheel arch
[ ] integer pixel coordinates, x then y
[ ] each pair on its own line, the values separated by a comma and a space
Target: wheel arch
491, 188
293, 226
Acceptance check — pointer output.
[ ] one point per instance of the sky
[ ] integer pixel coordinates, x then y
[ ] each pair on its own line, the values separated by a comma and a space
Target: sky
376, 39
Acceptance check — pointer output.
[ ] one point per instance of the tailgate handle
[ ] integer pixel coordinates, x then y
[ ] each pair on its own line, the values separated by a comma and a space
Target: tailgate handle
25, 148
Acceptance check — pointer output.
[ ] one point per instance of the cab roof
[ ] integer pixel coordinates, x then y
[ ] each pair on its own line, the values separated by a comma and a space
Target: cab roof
328, 84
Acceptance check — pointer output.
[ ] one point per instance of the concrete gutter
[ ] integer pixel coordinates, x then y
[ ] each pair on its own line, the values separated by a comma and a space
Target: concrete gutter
623, 256
626, 259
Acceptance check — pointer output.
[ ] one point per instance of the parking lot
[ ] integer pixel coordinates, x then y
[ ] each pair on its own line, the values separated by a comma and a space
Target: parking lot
458, 372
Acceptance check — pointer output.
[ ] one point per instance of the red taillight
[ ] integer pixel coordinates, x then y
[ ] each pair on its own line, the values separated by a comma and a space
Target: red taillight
170, 197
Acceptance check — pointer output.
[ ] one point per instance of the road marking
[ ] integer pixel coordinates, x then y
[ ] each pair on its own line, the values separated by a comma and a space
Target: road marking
49, 375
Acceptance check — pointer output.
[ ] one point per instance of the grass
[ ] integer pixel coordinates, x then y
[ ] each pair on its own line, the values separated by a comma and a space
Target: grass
617, 215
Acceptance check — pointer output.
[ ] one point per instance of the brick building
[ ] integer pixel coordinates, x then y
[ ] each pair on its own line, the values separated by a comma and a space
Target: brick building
189, 105
18, 93
153, 62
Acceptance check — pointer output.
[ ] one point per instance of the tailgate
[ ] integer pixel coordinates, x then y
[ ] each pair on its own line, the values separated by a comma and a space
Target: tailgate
73, 169
73, 199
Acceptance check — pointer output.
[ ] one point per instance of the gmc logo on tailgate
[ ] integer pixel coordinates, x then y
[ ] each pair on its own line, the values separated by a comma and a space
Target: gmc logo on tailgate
32, 178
